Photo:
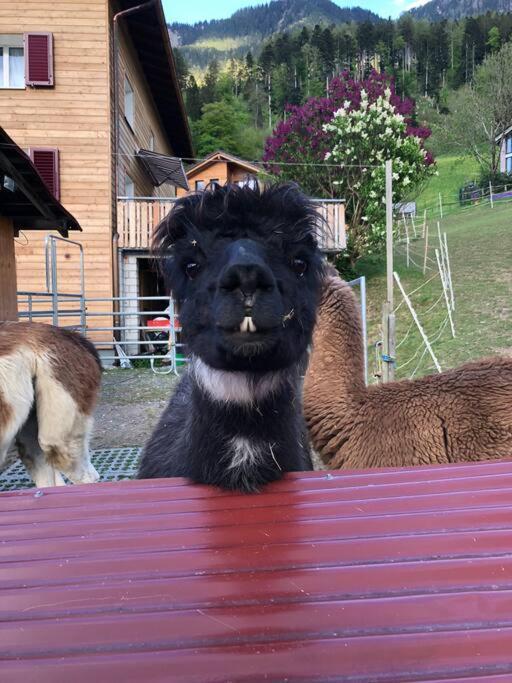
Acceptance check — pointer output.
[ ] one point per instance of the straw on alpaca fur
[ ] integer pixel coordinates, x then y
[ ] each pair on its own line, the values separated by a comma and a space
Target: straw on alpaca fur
49, 382
464, 414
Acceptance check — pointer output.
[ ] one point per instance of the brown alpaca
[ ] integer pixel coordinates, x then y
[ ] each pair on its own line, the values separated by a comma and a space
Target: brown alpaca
459, 415
49, 382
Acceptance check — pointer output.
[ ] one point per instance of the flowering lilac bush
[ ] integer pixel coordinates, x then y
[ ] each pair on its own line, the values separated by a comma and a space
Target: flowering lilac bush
341, 143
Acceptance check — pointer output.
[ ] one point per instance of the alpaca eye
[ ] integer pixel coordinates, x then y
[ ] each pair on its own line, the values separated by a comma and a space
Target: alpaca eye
299, 266
192, 269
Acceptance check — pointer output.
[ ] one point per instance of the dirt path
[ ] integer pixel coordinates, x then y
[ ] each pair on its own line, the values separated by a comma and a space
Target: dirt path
130, 405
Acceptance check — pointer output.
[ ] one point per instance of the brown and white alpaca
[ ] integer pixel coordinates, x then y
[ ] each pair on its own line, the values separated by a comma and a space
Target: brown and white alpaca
49, 382
459, 415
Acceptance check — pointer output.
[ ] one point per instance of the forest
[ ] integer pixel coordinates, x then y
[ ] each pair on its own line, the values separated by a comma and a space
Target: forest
236, 104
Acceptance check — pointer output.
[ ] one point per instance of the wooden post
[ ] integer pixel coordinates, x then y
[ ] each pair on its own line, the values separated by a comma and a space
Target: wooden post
388, 327
424, 222
8, 287
490, 195
426, 251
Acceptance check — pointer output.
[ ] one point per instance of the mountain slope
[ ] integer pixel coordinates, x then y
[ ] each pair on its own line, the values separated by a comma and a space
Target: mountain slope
263, 20
456, 9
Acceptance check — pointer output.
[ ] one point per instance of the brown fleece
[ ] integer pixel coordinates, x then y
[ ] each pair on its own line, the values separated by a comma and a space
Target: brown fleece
74, 360
464, 414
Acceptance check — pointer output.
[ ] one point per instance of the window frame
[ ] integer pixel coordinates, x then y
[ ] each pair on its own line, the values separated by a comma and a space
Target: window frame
10, 41
129, 120
197, 185
508, 154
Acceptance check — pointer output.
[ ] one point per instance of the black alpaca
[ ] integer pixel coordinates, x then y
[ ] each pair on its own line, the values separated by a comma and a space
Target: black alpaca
245, 267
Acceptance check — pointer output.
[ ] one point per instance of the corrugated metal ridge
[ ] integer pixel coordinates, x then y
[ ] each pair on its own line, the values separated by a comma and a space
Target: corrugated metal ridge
358, 576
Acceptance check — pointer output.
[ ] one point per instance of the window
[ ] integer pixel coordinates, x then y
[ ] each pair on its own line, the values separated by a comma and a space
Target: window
129, 102
214, 181
12, 62
129, 186
46, 160
250, 181
508, 154
199, 185
38, 59
151, 145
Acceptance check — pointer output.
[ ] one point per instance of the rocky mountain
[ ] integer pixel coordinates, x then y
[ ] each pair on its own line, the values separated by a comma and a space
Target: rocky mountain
246, 28
263, 20
435, 10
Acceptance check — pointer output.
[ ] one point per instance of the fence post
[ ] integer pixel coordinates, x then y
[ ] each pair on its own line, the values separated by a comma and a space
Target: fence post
490, 195
388, 328
407, 243
449, 272
426, 251
445, 285
424, 222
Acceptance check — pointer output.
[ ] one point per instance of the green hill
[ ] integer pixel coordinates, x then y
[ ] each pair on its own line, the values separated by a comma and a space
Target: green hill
480, 248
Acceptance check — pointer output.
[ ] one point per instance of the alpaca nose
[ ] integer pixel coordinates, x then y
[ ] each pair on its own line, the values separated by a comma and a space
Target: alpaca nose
249, 279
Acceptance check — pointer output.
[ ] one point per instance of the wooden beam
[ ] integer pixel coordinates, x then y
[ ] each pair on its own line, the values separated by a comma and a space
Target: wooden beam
22, 185
8, 287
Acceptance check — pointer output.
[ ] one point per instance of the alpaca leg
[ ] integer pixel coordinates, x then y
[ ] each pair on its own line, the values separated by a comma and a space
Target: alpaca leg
16, 398
64, 432
71, 453
33, 458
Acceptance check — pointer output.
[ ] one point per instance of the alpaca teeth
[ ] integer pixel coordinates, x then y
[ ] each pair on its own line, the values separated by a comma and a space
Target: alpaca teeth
247, 325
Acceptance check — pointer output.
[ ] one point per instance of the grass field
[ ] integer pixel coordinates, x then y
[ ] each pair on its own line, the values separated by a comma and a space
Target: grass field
480, 246
453, 173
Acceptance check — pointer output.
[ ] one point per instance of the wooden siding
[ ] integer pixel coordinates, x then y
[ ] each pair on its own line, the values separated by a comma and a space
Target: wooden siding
137, 219
383, 575
146, 122
74, 117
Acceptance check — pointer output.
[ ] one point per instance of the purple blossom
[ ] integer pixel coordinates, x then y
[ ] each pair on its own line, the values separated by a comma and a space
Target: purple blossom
302, 138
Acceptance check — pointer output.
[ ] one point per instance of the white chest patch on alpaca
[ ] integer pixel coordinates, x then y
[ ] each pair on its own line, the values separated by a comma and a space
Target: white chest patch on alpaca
235, 387
245, 454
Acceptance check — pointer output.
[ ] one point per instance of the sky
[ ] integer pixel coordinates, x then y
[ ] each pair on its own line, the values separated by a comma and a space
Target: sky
200, 10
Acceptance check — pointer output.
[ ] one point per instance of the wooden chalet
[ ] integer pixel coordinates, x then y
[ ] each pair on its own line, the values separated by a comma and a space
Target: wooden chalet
90, 91
220, 167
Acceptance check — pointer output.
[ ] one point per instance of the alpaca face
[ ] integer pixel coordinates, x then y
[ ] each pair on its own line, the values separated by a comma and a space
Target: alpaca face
245, 267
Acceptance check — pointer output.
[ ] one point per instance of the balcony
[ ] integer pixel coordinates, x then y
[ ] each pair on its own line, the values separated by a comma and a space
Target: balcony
138, 217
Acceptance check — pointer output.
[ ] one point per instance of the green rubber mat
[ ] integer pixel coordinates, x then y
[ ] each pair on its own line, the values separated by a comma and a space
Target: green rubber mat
112, 464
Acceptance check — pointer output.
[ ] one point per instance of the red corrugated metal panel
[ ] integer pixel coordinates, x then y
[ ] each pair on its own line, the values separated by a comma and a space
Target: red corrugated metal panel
368, 576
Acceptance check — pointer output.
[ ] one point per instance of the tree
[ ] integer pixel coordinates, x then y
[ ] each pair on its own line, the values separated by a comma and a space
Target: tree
226, 125
297, 148
494, 39
483, 111
362, 139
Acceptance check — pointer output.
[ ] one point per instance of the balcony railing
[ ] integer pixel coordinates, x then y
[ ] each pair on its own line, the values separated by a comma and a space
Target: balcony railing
138, 217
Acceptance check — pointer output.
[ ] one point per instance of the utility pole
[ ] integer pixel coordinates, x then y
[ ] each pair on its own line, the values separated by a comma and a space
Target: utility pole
388, 317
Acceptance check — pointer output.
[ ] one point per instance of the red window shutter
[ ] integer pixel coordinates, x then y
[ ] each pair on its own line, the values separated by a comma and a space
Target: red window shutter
46, 161
38, 58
